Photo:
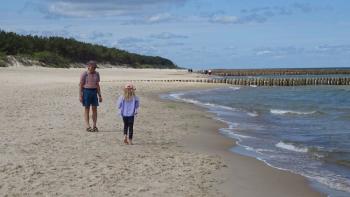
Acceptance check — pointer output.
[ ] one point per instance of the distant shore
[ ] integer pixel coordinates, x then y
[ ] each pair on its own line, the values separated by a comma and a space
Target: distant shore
178, 150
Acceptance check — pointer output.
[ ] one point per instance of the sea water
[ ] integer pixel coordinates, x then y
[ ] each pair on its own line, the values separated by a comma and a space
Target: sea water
305, 130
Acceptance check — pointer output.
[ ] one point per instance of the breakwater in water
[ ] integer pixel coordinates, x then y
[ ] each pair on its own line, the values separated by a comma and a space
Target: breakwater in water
286, 71
258, 81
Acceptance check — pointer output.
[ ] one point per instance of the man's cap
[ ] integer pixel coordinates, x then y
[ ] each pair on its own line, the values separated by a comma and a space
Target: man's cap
92, 63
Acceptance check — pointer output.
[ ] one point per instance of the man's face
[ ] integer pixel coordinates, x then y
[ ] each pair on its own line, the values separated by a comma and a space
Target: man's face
91, 68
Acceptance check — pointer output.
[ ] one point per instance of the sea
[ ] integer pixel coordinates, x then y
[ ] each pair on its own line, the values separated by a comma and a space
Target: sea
304, 130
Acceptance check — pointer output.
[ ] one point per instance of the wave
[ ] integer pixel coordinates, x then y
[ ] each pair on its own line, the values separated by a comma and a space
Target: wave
270, 155
228, 132
190, 100
178, 97
339, 157
253, 114
326, 177
282, 112
332, 180
291, 147
260, 150
234, 88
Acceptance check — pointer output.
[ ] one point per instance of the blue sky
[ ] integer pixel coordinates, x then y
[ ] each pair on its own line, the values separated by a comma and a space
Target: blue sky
198, 33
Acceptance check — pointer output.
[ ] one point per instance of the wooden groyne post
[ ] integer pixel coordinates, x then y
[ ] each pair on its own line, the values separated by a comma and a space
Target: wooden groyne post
281, 72
263, 81
288, 81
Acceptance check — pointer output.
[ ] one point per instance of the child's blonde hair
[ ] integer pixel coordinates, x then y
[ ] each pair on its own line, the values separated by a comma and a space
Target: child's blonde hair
129, 92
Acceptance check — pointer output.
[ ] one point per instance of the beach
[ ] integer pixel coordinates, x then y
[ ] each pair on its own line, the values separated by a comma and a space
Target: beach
177, 151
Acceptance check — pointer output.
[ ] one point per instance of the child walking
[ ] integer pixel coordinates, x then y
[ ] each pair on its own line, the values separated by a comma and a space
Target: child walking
128, 105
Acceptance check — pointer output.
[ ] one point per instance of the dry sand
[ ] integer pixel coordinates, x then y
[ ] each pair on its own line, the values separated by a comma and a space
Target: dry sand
45, 150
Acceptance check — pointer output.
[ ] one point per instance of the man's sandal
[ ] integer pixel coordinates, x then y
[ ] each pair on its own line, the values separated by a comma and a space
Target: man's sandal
89, 129
95, 129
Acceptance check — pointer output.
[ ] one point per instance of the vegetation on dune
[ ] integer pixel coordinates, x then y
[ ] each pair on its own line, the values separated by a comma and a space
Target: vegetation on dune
2, 59
61, 52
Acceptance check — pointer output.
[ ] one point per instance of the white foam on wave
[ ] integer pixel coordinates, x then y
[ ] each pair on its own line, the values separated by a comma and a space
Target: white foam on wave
253, 114
176, 95
231, 125
261, 150
333, 181
223, 107
209, 104
329, 179
234, 88
190, 101
282, 112
237, 136
291, 147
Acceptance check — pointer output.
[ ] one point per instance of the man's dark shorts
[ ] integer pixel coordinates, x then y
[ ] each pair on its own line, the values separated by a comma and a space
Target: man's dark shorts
90, 97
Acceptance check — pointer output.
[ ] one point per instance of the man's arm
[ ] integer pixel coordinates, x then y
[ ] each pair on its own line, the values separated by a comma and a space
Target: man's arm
99, 92
81, 86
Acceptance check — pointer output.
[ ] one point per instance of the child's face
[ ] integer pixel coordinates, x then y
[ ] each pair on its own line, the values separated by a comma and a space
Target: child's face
129, 90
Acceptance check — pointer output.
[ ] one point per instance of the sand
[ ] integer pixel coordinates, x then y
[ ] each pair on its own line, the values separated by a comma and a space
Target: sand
177, 151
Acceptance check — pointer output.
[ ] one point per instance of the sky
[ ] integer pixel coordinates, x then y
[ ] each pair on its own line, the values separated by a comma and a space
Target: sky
198, 34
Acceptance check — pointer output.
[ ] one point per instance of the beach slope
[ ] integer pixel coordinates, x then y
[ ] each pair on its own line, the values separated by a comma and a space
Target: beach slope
45, 150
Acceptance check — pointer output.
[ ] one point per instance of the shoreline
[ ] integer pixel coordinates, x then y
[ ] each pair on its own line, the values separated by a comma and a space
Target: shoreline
271, 182
178, 150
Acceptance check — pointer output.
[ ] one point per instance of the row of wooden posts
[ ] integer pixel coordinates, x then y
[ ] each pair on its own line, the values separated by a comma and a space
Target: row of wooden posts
265, 81
256, 72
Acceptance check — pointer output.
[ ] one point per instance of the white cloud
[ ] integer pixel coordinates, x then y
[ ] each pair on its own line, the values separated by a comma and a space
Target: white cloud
261, 14
332, 49
323, 50
278, 52
159, 18
225, 19
167, 35
101, 38
263, 52
92, 8
130, 41
48, 33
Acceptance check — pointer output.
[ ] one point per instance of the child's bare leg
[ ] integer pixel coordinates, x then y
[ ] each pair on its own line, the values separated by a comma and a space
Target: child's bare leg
126, 140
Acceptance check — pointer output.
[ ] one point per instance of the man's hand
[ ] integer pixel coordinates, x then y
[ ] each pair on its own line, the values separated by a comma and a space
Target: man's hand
100, 99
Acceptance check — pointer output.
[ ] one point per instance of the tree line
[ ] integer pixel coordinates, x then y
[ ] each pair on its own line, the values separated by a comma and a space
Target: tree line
62, 52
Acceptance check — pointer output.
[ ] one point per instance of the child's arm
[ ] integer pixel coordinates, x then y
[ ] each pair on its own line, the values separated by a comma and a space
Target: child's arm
137, 104
120, 104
